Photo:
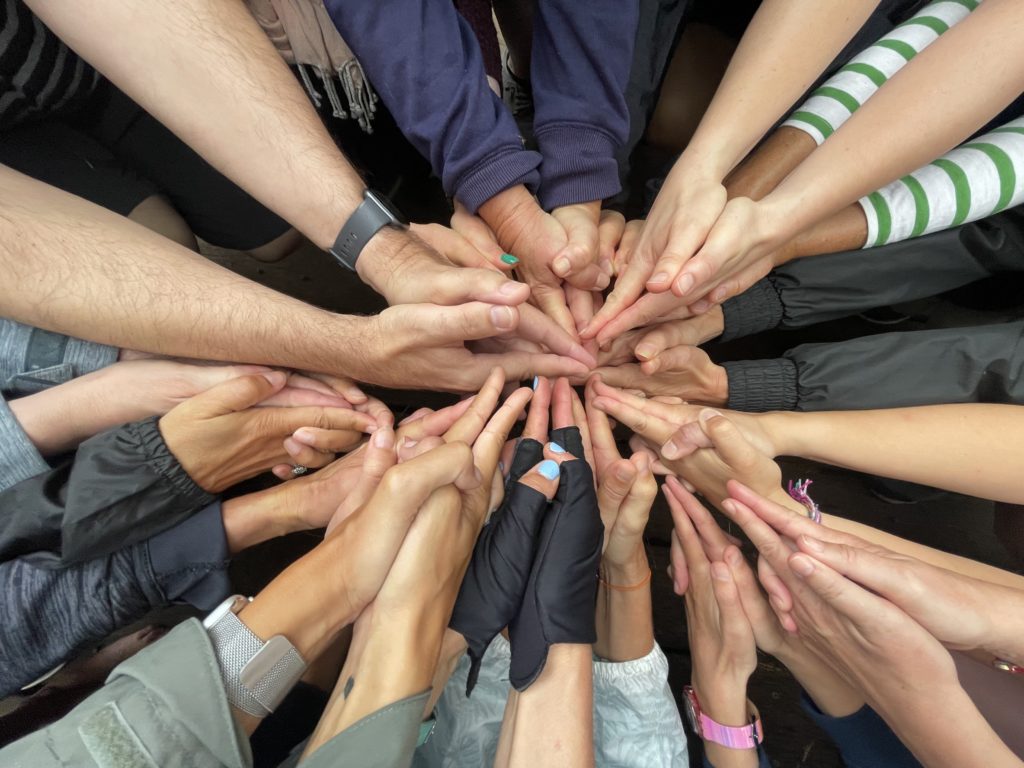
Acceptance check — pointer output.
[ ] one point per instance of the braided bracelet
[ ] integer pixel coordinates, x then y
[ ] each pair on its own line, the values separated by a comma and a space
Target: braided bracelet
798, 491
646, 580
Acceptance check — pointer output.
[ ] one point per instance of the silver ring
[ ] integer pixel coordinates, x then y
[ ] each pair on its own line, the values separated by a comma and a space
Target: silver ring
298, 470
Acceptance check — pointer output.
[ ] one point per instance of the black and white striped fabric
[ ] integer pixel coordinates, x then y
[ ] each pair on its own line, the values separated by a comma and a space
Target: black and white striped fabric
39, 75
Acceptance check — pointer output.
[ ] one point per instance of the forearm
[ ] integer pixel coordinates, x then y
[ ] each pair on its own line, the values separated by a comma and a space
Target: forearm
76, 268
554, 716
762, 171
919, 718
625, 619
389, 660
902, 443
206, 70
916, 101
789, 44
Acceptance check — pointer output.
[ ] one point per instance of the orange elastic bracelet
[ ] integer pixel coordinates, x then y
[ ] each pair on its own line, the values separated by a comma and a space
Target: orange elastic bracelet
630, 588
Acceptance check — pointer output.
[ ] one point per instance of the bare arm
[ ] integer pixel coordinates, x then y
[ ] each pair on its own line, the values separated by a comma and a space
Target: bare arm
73, 267
925, 109
551, 722
206, 70
976, 449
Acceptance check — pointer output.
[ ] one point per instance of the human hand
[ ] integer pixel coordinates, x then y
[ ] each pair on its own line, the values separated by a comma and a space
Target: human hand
220, 437
626, 489
424, 346
722, 644
962, 612
684, 372
689, 203
542, 244
649, 339
470, 244
739, 250
871, 642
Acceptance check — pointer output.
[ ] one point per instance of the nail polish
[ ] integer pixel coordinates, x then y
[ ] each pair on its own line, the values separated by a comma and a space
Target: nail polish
508, 258
549, 469
556, 448
536, 381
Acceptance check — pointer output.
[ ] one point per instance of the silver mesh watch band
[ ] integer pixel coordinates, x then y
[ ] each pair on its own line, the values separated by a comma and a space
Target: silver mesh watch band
257, 675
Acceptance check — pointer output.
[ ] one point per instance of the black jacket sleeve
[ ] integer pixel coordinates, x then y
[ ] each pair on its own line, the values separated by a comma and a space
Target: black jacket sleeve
121, 487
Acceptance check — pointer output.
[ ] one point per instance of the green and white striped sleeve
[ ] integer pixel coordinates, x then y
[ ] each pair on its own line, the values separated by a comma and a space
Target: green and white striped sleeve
842, 94
975, 180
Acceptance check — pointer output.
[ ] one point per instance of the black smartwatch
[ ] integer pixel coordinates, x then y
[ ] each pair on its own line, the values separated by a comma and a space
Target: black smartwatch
375, 212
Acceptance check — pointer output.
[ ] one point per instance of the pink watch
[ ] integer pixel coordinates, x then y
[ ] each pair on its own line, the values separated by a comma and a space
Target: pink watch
742, 737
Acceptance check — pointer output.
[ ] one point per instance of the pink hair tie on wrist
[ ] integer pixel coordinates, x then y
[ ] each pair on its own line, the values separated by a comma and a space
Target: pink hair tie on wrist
798, 491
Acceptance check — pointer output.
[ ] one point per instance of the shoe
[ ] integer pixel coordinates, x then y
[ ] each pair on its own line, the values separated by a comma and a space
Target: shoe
516, 93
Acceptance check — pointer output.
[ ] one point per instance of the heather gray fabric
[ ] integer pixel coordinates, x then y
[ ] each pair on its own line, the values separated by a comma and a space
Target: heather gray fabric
47, 615
950, 365
32, 360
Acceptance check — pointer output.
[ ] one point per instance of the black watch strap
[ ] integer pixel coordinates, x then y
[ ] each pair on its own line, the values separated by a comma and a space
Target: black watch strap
375, 212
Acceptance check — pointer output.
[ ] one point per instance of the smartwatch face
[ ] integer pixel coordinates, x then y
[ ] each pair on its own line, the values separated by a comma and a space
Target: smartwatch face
388, 206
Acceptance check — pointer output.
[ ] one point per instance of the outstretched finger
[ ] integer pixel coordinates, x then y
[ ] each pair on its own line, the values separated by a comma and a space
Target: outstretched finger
712, 537
379, 456
491, 440
736, 629
627, 290
534, 325
469, 425
602, 438
537, 419
561, 405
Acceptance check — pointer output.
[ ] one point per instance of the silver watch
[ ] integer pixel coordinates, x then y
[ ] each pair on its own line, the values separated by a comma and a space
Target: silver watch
257, 675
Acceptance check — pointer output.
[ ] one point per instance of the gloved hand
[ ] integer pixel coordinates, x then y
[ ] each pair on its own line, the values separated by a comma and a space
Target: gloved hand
492, 589
559, 601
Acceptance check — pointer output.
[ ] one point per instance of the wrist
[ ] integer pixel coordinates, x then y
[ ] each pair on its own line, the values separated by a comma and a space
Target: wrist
626, 573
384, 255
324, 230
257, 517
724, 700
508, 214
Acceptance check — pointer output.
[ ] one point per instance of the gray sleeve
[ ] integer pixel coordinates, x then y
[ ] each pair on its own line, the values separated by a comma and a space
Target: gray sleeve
32, 359
19, 459
49, 613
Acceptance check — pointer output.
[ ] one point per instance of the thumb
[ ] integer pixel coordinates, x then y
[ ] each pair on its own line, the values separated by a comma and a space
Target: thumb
435, 325
238, 394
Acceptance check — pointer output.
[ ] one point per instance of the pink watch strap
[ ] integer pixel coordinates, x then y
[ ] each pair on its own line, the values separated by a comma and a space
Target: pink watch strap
734, 737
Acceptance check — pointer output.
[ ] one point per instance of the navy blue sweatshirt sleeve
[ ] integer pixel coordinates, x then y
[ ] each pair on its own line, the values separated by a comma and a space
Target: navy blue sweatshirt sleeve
582, 54
425, 63
863, 738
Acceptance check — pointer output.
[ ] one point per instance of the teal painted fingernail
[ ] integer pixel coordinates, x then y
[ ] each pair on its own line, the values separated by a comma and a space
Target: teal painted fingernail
549, 469
556, 448
508, 258
536, 381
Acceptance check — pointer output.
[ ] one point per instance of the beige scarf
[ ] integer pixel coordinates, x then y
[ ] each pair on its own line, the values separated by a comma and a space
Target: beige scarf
305, 36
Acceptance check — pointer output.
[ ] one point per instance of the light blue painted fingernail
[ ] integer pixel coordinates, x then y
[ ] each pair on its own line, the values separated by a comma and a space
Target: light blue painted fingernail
536, 381
501, 467
549, 469
556, 448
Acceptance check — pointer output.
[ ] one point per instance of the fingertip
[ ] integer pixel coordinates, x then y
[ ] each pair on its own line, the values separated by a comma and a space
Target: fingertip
277, 379
801, 564
384, 437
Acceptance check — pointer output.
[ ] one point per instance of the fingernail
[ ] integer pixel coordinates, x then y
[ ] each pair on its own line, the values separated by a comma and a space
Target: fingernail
503, 318
409, 443
384, 438
603, 281
508, 258
562, 266
291, 447
684, 283
549, 469
501, 467
277, 378
536, 381
509, 288
813, 544
645, 352
659, 279
606, 267
556, 448
733, 557
671, 449
720, 571
622, 474
801, 565
305, 437
707, 414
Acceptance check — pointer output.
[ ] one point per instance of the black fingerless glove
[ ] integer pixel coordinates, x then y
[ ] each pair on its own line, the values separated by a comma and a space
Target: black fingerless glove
495, 581
561, 594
